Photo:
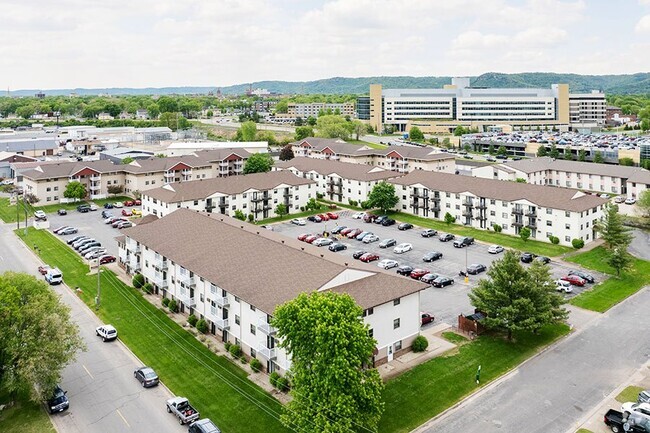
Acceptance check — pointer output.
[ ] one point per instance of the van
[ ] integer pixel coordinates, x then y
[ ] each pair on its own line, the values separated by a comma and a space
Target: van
54, 276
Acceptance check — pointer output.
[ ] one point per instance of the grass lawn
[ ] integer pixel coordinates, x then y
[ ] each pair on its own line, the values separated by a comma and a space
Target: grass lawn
218, 387
8, 212
296, 215
610, 292
584, 430
430, 388
367, 143
631, 393
25, 417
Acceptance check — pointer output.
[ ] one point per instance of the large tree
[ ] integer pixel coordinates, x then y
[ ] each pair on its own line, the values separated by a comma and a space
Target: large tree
248, 131
38, 338
75, 190
516, 299
332, 126
617, 238
303, 132
643, 203
333, 389
258, 163
383, 196
416, 134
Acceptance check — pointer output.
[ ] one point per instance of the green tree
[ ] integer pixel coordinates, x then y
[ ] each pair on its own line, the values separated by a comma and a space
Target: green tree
416, 134
598, 157
524, 233
383, 196
281, 210
516, 299
258, 163
26, 111
303, 132
209, 114
174, 121
282, 106
267, 136
153, 111
617, 238
520, 180
643, 203
358, 128
127, 160
299, 121
568, 155
645, 125
582, 155
286, 153
239, 215
331, 126
459, 131
333, 390
38, 337
248, 131
492, 150
554, 153
628, 162
502, 150
167, 104
75, 190
311, 121
449, 218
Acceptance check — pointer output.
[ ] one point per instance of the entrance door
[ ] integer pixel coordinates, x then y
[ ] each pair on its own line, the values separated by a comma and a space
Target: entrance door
390, 353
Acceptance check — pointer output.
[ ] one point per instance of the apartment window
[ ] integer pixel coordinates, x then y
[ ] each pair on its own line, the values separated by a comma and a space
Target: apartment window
48, 189
549, 211
398, 345
371, 332
395, 323
549, 223
504, 204
549, 234
253, 330
403, 207
447, 195
567, 238
253, 308
567, 226
396, 302
243, 195
236, 299
447, 205
493, 202
368, 312
48, 199
147, 182
236, 319
504, 215
201, 297
196, 202
567, 214
404, 197
492, 213
56, 188
505, 227
457, 207
56, 197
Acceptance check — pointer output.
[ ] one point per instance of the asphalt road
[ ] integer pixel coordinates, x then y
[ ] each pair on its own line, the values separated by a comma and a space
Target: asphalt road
104, 396
640, 245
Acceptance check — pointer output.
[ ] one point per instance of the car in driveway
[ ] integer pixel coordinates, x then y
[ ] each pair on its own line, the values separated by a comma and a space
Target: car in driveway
426, 318
403, 248
642, 409
644, 396
370, 238
418, 273
405, 226
446, 237
337, 247
432, 256
107, 259
527, 257
495, 249
463, 242
442, 282
369, 257
322, 242
106, 332
387, 243
476, 268
58, 401
429, 278
387, 264
563, 286
146, 376
428, 233
619, 199
405, 270
575, 280
585, 276
357, 254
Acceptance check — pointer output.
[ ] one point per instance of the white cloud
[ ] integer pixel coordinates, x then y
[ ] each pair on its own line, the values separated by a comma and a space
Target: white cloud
643, 26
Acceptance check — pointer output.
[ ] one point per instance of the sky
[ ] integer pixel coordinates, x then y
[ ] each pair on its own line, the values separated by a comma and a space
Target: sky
157, 43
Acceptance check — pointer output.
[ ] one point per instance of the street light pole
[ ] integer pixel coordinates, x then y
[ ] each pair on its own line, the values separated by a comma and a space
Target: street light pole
466, 273
97, 298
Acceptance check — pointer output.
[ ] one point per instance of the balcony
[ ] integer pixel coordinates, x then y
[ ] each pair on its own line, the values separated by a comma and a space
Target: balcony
223, 164
435, 208
222, 324
95, 178
435, 198
186, 280
468, 213
187, 300
222, 302
161, 265
134, 248
416, 204
531, 214
134, 264
95, 187
481, 218
468, 204
265, 327
481, 206
259, 198
267, 353
532, 225
517, 211
160, 281
517, 223
170, 174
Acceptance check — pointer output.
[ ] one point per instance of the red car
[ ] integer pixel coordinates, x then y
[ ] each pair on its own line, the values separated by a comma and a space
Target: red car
303, 236
369, 218
106, 259
43, 269
323, 217
354, 233
416, 274
129, 203
126, 212
426, 318
332, 215
345, 231
137, 202
369, 257
311, 238
575, 280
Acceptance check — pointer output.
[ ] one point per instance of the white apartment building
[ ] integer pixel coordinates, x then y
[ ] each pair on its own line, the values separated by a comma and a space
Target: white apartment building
589, 176
314, 108
338, 181
202, 261
258, 194
481, 203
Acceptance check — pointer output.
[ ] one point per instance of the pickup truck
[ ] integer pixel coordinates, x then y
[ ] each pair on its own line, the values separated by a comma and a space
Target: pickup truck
181, 407
635, 424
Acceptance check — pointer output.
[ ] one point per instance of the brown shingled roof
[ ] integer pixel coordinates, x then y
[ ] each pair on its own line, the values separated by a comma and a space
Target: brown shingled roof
346, 170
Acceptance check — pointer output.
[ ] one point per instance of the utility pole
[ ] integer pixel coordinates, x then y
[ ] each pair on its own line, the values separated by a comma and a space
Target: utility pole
466, 273
97, 298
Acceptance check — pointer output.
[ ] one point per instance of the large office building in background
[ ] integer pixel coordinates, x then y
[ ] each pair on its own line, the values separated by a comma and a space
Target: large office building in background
442, 110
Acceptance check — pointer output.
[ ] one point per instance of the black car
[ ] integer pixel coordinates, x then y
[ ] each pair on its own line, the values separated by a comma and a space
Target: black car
59, 400
446, 237
404, 226
405, 270
108, 205
106, 214
543, 259
358, 254
83, 208
432, 256
428, 233
337, 247
388, 222
203, 426
585, 276
442, 282
502, 157
527, 257
380, 219
429, 278
62, 212
314, 219
476, 269
337, 230
146, 376
463, 242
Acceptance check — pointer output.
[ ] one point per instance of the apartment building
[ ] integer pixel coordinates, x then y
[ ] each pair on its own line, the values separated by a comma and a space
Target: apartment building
256, 194
48, 180
587, 110
482, 203
205, 262
397, 158
335, 180
601, 178
314, 108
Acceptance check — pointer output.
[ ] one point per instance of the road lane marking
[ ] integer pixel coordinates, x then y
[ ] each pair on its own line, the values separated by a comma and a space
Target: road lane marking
123, 419
91, 376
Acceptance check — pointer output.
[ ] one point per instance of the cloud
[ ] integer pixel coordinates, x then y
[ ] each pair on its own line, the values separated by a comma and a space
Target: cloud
643, 26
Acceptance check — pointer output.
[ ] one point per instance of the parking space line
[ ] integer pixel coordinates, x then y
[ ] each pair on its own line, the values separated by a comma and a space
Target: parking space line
123, 419
91, 376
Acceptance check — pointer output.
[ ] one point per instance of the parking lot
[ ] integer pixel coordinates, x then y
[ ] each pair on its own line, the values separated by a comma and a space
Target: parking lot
445, 303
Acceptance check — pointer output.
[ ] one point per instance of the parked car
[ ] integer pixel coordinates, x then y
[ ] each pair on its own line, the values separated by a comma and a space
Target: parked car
380, 219
86, 247
137, 202
39, 215
495, 249
338, 229
354, 233
358, 215
403, 248
58, 402
298, 221
442, 282
619, 199
644, 396
322, 242
563, 286
95, 254
369, 218
75, 239
117, 204
527, 257
62, 212
77, 245
357, 254
183, 410
136, 212
129, 203
616, 421
446, 237
387, 243
106, 259
146, 376
106, 332
476, 268
43, 269
388, 222
124, 225
127, 212
203, 426
362, 235
303, 236
432, 256
370, 238
418, 273
311, 238
54, 276
428, 233
463, 242
405, 270
630, 200
429, 278
346, 231
83, 208
575, 280
631, 407
337, 247
59, 229
404, 226
426, 318
108, 205
118, 222
585, 276
332, 215
388, 264
106, 214
369, 257
93, 207
543, 259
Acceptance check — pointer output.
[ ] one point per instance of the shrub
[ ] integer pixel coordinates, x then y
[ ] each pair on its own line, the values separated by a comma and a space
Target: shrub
273, 379
420, 344
147, 288
256, 365
250, 217
192, 320
577, 243
202, 338
165, 302
302, 208
365, 204
554, 240
283, 384
497, 228
138, 281
235, 351
353, 202
319, 195
173, 306
202, 326
227, 345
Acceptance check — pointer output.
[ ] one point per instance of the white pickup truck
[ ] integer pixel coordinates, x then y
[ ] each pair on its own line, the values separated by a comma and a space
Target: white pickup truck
181, 407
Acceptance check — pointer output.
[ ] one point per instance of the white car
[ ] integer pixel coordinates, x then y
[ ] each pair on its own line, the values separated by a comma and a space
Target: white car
321, 242
93, 208
639, 408
495, 249
387, 264
402, 248
370, 238
298, 221
40, 215
358, 215
630, 200
107, 332
117, 204
563, 286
